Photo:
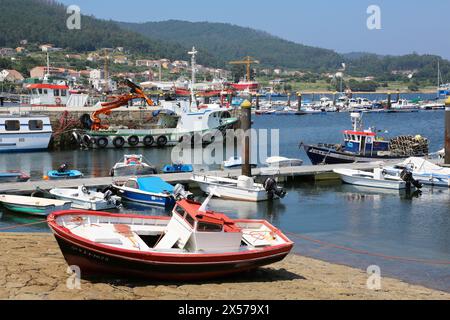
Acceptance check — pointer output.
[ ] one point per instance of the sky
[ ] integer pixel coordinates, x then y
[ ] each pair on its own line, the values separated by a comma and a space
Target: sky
407, 26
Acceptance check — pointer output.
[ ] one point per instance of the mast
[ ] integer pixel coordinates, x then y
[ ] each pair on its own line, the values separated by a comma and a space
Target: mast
193, 53
47, 74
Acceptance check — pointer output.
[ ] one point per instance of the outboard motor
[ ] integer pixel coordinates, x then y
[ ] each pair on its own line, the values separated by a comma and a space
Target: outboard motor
407, 176
272, 188
180, 192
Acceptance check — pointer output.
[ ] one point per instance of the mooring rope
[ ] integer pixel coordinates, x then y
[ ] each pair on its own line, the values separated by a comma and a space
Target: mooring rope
367, 253
22, 225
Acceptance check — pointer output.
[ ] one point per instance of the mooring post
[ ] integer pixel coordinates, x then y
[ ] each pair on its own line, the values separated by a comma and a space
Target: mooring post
334, 99
398, 96
289, 99
447, 131
299, 101
246, 123
257, 101
389, 100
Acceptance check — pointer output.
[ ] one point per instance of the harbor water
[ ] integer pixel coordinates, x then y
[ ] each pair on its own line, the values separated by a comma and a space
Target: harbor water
370, 227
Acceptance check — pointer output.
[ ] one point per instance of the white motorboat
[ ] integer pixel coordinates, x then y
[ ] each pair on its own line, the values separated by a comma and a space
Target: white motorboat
423, 171
32, 205
24, 132
235, 162
376, 179
132, 165
243, 188
278, 162
87, 199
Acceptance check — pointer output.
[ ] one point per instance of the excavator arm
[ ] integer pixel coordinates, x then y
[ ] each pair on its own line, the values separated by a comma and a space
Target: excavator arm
136, 92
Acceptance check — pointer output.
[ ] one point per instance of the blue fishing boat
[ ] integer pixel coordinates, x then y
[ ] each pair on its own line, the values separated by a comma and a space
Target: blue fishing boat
14, 176
146, 190
178, 168
64, 173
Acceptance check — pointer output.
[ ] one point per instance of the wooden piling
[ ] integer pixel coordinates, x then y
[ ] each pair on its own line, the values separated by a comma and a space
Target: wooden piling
389, 100
289, 99
246, 120
299, 101
257, 101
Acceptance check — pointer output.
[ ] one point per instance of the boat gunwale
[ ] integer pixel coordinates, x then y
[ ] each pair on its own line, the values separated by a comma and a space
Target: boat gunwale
165, 257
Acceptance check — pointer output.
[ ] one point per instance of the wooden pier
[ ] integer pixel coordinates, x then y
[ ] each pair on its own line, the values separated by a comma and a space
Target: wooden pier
284, 174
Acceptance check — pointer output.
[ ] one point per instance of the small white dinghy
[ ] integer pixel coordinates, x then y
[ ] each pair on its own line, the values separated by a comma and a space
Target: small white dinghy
423, 171
376, 179
132, 165
84, 198
32, 205
236, 162
243, 188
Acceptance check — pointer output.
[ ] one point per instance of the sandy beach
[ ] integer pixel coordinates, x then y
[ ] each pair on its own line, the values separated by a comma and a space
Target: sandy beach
32, 267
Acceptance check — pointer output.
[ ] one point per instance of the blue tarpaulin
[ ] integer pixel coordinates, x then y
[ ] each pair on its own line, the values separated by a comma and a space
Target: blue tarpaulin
154, 185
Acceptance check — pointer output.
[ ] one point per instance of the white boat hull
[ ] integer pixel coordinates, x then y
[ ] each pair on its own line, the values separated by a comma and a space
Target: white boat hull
231, 191
94, 202
366, 179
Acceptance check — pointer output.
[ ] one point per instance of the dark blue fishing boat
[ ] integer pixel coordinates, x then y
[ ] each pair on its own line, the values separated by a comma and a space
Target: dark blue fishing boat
365, 146
178, 168
146, 190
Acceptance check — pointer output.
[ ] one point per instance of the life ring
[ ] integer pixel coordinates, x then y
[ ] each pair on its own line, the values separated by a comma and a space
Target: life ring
118, 142
148, 141
161, 141
58, 101
133, 141
102, 142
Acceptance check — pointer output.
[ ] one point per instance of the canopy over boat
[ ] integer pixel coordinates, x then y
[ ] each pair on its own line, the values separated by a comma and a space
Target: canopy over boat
154, 185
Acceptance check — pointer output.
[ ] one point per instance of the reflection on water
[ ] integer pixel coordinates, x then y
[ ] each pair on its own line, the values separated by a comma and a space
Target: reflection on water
378, 221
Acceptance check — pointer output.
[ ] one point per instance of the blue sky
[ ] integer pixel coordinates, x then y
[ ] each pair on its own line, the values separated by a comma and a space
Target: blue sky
407, 26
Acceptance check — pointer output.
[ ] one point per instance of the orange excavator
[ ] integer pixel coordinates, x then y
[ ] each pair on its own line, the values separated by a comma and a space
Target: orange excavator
93, 121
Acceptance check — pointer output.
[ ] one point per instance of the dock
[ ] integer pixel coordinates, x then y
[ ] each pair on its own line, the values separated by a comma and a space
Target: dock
323, 172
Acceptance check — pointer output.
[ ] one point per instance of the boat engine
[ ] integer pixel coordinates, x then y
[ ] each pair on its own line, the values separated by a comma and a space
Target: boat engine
180, 192
407, 176
272, 188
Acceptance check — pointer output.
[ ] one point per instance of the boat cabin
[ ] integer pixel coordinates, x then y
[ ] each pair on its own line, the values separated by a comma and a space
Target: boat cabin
48, 95
196, 230
363, 142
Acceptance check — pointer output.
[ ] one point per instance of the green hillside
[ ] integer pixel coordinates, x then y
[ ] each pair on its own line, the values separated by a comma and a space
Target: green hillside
229, 42
44, 21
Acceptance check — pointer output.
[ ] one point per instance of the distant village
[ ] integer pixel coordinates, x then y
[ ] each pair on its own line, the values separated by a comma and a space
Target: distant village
101, 70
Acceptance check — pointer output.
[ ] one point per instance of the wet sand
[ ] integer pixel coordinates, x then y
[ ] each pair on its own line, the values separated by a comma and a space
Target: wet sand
32, 267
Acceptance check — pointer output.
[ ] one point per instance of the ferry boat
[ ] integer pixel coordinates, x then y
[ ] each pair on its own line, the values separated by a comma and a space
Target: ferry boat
24, 132
194, 244
365, 146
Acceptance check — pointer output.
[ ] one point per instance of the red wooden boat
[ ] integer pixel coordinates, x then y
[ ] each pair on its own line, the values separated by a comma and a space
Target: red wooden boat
193, 244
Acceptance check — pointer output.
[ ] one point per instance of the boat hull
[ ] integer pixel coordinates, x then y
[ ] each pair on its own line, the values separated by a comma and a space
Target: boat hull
95, 260
373, 183
42, 211
138, 170
146, 197
233, 193
324, 155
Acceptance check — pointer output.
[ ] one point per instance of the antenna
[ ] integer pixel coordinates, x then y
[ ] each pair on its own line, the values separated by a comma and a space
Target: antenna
205, 203
193, 53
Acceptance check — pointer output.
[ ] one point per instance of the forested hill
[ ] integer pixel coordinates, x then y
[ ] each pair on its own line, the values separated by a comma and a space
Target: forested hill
44, 21
229, 42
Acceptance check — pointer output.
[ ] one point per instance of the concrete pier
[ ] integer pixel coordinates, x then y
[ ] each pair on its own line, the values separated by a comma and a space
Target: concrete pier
283, 174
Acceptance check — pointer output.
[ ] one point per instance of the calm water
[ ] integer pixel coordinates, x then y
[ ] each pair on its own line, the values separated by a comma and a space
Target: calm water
385, 223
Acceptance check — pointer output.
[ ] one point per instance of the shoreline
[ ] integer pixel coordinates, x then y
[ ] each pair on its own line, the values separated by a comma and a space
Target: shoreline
32, 267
